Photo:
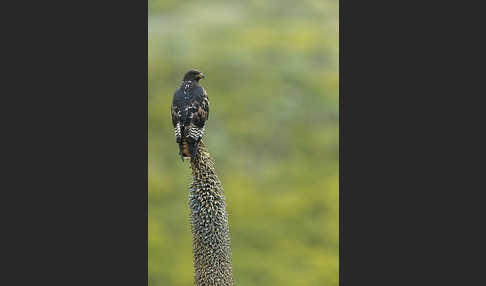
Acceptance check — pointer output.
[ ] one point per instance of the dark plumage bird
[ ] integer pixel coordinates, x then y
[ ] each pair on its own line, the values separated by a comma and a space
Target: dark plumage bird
190, 110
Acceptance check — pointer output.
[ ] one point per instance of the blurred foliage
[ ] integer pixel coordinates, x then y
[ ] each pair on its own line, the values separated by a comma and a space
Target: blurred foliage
272, 81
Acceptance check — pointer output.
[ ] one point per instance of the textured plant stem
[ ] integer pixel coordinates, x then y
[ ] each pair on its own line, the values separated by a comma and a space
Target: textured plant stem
209, 224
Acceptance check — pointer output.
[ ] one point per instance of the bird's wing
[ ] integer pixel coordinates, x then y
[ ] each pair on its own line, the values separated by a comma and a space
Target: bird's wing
175, 111
199, 113
201, 108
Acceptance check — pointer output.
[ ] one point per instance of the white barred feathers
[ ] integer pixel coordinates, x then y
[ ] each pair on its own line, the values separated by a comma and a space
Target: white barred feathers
196, 133
177, 130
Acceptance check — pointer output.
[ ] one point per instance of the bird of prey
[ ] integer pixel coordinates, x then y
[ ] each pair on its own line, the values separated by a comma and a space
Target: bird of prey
190, 110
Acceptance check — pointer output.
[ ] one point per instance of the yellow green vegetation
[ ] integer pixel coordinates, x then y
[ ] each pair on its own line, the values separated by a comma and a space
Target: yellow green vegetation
272, 81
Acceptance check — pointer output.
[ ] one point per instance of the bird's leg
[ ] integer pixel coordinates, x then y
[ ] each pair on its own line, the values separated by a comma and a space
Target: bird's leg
180, 151
196, 146
193, 149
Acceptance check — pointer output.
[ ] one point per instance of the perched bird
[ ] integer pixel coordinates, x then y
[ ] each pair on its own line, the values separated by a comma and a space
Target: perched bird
190, 110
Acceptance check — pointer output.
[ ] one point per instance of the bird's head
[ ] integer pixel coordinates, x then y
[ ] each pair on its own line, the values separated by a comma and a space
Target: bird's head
194, 75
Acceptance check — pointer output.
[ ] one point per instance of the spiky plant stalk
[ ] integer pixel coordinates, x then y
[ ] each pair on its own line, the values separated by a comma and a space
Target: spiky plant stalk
209, 223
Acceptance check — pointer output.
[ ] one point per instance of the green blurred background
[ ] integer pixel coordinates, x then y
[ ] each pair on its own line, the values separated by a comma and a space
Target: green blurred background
272, 81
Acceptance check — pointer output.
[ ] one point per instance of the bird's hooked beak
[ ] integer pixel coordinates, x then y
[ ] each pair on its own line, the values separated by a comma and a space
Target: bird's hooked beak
201, 75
